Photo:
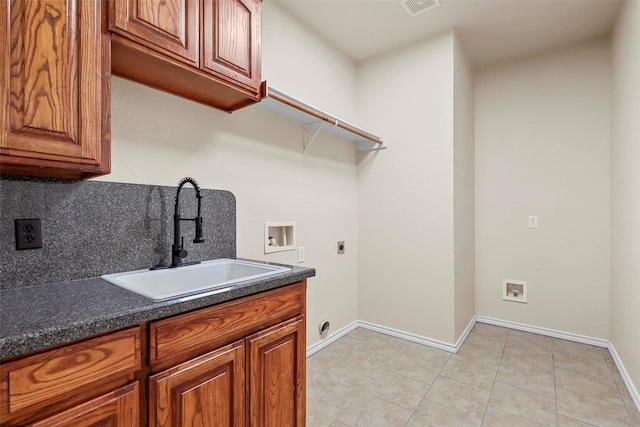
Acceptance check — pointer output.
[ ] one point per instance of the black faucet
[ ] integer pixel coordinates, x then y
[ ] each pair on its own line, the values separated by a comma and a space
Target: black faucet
177, 249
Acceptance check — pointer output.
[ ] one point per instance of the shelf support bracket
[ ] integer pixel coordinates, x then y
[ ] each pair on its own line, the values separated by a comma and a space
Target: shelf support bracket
306, 144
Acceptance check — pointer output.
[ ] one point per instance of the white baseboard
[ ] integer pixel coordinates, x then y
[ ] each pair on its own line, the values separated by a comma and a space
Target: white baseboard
331, 338
466, 332
408, 336
453, 348
544, 331
633, 391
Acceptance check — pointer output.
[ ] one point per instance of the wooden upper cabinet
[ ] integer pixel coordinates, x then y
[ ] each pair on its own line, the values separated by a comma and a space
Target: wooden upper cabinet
167, 26
231, 40
208, 51
54, 101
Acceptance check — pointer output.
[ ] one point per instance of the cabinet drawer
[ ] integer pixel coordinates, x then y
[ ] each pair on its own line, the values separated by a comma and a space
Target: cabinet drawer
118, 408
181, 337
64, 373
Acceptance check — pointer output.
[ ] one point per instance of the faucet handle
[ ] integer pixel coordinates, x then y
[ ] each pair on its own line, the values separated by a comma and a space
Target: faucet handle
199, 238
180, 253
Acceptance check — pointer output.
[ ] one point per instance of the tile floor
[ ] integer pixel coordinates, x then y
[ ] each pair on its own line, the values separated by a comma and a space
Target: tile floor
500, 377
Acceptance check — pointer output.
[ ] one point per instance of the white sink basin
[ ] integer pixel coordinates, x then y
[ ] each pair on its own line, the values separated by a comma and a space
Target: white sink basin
205, 278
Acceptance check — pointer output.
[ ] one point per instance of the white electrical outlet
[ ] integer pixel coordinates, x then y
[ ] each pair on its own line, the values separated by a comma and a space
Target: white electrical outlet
301, 254
533, 221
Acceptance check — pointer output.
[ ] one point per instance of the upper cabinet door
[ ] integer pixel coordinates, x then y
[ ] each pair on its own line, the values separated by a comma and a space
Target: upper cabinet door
231, 40
54, 98
167, 26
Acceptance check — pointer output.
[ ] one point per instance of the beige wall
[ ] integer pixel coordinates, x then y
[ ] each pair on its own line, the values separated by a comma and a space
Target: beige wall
463, 191
297, 62
542, 148
405, 193
158, 138
625, 191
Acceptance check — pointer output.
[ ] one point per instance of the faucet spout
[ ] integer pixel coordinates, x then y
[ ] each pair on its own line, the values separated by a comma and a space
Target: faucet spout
177, 249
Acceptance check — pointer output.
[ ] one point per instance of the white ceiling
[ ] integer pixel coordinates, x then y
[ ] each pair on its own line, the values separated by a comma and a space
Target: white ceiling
489, 30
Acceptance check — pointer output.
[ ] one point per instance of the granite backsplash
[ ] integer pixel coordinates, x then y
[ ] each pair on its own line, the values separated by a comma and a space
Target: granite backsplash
90, 228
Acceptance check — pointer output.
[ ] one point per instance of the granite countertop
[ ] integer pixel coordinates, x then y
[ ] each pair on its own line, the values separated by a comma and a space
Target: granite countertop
41, 316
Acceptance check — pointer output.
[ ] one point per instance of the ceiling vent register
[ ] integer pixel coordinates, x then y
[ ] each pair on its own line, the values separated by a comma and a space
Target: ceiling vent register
416, 7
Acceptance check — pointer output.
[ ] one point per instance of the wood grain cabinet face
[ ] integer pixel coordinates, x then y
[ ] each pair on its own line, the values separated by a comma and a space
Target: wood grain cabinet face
265, 365
231, 40
181, 337
276, 374
116, 409
54, 101
205, 391
168, 26
210, 390
63, 379
208, 51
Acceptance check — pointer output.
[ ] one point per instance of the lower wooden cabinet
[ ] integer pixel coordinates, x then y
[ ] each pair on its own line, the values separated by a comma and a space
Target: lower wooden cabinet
266, 370
236, 364
201, 379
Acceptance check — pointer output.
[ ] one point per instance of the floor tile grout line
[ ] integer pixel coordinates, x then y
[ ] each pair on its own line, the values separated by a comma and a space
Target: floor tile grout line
555, 389
618, 389
389, 401
524, 390
392, 403
449, 407
413, 413
433, 382
486, 409
430, 386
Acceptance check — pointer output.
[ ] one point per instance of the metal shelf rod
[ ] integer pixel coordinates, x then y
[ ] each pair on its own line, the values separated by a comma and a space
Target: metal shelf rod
322, 116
